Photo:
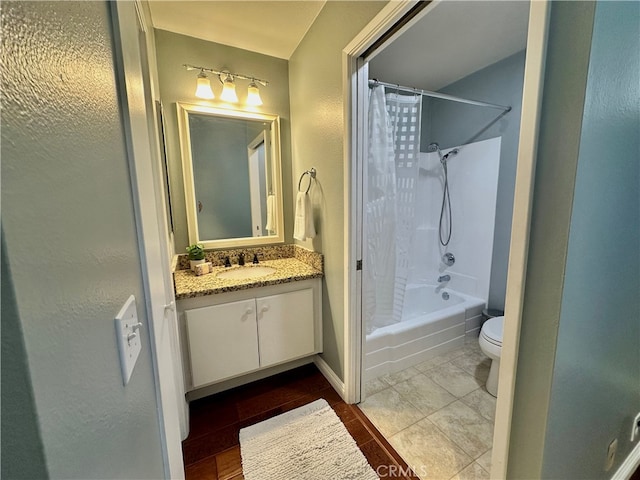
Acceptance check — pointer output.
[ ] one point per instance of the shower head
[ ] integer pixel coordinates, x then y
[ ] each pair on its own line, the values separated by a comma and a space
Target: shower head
434, 147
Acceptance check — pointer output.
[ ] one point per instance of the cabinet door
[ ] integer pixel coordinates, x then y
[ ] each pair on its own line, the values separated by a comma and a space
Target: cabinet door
285, 326
223, 341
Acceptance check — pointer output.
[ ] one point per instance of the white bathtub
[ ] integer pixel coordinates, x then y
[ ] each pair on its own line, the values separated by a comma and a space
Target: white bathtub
430, 326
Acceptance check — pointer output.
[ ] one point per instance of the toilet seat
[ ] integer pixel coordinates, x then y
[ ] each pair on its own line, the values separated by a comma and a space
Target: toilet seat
492, 330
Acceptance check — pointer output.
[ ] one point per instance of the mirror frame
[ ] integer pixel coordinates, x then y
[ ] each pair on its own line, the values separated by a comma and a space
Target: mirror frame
184, 109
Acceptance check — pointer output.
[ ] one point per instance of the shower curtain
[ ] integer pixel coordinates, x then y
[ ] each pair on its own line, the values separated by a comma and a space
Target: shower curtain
392, 174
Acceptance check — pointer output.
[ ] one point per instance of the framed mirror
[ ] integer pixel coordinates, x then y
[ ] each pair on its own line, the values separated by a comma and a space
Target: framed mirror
232, 176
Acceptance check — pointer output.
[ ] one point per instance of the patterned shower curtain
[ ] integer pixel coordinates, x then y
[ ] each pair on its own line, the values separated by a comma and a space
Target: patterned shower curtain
392, 174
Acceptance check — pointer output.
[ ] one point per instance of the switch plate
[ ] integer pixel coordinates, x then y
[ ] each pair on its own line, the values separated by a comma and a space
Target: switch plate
128, 337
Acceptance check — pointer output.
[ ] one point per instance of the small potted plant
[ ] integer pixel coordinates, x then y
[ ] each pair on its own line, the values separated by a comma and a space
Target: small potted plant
196, 255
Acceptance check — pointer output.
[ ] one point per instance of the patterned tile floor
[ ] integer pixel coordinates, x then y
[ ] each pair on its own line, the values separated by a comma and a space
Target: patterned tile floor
438, 415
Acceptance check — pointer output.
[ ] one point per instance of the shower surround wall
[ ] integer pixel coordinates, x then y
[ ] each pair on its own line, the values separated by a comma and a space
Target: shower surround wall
430, 323
473, 184
451, 124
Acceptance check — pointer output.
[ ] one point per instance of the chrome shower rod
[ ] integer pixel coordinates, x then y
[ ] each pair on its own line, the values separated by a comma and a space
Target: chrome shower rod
442, 96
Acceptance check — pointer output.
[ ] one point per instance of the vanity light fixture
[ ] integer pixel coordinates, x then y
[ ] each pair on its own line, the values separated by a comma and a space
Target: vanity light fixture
253, 95
203, 88
227, 79
229, 90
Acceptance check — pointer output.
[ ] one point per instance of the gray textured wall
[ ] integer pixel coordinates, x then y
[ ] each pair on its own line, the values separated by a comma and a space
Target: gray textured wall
317, 140
22, 450
596, 375
71, 240
451, 124
178, 85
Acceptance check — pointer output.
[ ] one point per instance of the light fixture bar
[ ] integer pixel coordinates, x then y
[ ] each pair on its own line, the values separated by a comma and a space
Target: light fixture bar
264, 83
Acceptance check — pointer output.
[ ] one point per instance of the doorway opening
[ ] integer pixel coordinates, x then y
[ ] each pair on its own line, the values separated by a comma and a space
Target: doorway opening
436, 168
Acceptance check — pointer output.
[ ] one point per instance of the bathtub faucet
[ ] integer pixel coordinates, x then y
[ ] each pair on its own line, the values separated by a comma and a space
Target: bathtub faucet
444, 278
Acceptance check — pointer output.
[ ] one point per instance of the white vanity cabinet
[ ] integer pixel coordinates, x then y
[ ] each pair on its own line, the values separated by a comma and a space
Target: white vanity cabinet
227, 335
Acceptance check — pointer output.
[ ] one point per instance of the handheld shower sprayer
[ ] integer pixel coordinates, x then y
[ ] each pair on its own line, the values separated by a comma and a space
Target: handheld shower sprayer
445, 225
452, 153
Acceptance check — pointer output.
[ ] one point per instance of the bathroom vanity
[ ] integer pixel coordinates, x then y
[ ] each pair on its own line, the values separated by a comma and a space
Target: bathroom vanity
233, 323
247, 321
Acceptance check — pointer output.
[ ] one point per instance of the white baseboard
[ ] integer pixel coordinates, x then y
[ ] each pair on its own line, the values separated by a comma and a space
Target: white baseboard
629, 465
330, 375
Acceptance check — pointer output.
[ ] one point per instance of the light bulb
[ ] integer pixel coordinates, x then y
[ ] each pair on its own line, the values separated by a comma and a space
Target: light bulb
229, 90
203, 88
253, 95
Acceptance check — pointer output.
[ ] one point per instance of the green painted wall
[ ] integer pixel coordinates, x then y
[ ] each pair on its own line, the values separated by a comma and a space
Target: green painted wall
178, 85
22, 450
317, 140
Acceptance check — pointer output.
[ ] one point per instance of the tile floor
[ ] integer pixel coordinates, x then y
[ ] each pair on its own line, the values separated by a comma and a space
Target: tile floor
437, 415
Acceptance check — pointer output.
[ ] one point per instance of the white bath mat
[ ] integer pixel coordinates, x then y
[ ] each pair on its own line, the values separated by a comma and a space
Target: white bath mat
308, 443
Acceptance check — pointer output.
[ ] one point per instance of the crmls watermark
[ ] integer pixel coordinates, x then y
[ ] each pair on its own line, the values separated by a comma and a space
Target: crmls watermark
398, 471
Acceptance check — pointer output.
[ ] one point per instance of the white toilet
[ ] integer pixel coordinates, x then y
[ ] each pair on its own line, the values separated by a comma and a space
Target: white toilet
490, 341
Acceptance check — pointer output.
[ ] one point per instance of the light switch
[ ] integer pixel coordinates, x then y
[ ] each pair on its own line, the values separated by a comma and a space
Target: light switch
128, 337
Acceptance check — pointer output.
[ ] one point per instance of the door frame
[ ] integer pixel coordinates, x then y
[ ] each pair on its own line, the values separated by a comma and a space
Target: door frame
355, 88
129, 29
254, 179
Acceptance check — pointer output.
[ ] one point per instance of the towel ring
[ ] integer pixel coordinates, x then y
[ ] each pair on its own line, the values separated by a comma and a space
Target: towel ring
312, 174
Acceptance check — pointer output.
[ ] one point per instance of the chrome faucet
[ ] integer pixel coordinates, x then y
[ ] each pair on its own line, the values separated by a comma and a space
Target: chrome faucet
444, 278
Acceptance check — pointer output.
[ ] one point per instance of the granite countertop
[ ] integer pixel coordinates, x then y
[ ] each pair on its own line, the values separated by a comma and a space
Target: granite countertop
188, 285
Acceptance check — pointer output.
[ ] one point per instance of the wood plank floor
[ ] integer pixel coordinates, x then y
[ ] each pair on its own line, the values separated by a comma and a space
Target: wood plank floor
212, 450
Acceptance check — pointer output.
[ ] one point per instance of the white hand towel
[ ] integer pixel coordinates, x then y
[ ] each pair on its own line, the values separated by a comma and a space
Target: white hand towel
271, 213
309, 228
303, 226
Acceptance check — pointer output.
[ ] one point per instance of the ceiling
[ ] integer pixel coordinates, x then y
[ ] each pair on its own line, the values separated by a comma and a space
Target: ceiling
455, 39
267, 27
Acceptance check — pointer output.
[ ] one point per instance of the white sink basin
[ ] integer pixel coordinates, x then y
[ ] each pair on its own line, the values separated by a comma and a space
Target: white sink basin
247, 272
